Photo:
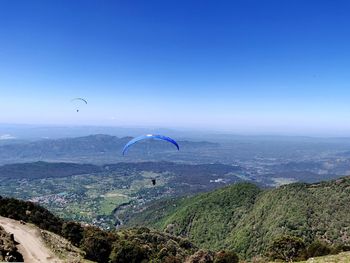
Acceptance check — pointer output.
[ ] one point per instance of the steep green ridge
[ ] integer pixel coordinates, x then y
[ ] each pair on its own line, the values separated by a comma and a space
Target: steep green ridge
246, 219
206, 219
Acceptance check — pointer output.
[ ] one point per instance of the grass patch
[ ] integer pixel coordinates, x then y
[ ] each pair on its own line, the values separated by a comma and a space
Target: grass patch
339, 258
111, 201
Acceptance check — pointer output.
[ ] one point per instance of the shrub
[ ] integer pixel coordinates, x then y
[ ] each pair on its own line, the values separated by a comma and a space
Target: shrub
226, 257
287, 248
186, 244
129, 251
96, 244
317, 249
73, 232
201, 256
171, 259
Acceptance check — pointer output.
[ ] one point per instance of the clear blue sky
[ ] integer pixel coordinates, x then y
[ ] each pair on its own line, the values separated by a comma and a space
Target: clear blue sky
242, 66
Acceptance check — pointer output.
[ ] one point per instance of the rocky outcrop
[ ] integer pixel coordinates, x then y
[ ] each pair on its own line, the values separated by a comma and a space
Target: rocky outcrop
8, 249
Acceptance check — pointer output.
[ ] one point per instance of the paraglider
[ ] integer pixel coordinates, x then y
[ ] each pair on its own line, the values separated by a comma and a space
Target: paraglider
154, 181
79, 99
149, 136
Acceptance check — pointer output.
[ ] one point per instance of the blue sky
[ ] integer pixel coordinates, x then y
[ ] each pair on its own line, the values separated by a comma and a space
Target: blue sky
279, 67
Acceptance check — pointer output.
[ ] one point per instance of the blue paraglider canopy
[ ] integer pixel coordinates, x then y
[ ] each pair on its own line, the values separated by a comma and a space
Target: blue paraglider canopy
149, 136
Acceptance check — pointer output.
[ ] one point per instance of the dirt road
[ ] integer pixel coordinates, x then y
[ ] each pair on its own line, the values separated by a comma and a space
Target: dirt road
31, 245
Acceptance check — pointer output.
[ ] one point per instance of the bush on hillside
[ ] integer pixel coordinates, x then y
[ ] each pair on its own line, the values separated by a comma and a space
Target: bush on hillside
287, 248
318, 249
129, 251
226, 257
201, 256
73, 232
97, 244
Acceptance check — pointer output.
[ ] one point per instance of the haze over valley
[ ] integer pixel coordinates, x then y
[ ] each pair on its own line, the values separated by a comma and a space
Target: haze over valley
87, 179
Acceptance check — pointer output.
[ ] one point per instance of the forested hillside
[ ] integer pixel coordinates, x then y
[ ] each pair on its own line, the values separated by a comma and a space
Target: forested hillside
246, 219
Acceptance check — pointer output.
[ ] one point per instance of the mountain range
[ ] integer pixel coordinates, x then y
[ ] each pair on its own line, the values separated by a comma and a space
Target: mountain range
98, 149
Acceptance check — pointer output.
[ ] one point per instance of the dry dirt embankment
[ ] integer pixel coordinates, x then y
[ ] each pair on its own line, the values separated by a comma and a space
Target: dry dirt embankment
31, 245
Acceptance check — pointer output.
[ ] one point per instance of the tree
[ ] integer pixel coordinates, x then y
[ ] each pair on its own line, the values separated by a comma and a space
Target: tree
201, 256
129, 251
287, 248
73, 232
226, 257
317, 249
96, 244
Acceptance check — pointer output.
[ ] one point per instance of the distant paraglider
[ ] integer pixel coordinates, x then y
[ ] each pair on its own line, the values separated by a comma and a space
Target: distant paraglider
79, 99
149, 136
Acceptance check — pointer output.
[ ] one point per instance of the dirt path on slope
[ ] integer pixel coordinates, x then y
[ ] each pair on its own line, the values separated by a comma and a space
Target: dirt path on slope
31, 244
